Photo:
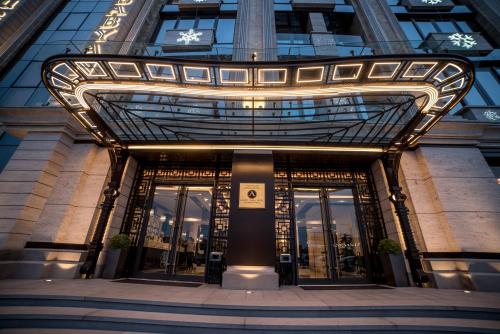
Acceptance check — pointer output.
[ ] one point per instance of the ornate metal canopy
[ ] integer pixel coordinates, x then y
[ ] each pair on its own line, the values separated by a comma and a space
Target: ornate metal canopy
371, 103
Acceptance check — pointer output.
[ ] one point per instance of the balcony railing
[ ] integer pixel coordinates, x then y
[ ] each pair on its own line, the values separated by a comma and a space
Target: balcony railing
40, 52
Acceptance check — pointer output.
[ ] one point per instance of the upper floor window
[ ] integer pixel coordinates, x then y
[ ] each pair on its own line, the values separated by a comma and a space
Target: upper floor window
417, 30
223, 27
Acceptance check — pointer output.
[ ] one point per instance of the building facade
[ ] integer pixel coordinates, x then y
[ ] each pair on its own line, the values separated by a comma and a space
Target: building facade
284, 138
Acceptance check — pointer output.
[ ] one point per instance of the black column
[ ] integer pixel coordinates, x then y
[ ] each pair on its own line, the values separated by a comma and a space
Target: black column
251, 235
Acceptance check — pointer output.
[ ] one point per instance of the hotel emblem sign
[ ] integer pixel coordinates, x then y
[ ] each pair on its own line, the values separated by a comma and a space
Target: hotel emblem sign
252, 196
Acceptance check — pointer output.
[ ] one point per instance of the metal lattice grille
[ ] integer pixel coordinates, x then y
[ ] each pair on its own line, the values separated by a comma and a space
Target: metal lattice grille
366, 202
142, 197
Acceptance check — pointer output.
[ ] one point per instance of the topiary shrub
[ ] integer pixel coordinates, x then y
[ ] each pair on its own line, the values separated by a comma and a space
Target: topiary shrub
389, 246
119, 241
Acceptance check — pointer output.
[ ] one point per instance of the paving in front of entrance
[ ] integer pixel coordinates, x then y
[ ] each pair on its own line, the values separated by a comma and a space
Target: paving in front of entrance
102, 306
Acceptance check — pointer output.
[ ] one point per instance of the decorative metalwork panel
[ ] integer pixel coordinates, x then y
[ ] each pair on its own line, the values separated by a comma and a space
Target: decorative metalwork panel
285, 224
220, 211
138, 203
177, 174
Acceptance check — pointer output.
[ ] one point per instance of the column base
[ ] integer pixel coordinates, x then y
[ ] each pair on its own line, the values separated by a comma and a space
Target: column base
250, 278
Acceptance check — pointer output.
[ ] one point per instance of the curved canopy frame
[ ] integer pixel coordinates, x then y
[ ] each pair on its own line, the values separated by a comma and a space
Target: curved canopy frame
372, 103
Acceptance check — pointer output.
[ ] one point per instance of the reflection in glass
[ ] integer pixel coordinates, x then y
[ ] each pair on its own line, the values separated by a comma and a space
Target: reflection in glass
345, 229
157, 243
312, 259
193, 241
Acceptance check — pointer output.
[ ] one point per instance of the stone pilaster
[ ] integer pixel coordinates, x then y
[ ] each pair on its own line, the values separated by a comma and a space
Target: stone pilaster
255, 31
27, 182
72, 205
380, 27
455, 199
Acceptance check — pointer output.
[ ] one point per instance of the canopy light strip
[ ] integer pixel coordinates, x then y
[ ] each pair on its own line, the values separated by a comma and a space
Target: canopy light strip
167, 89
346, 104
257, 147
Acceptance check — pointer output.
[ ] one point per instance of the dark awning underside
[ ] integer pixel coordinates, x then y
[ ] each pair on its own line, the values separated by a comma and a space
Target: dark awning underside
357, 103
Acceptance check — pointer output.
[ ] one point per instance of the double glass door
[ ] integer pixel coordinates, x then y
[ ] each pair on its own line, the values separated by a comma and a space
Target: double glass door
329, 243
176, 241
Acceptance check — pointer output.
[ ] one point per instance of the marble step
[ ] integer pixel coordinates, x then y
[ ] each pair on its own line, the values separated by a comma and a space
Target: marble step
94, 319
284, 311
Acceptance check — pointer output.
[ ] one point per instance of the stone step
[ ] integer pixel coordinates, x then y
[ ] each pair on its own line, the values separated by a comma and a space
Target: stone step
79, 318
409, 311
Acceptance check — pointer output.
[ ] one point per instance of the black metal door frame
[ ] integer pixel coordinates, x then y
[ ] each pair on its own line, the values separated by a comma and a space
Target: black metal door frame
367, 209
147, 178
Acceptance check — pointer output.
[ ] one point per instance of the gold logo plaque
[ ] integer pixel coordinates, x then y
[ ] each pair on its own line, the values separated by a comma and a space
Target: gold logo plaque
252, 196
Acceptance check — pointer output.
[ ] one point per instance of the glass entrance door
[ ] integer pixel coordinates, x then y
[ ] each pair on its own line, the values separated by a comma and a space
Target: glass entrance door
350, 265
329, 242
312, 260
176, 238
192, 243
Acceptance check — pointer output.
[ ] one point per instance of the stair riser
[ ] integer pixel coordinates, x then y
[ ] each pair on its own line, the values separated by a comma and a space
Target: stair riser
480, 314
120, 325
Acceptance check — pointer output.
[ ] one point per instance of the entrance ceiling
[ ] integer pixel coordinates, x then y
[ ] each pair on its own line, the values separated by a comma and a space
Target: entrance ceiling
371, 104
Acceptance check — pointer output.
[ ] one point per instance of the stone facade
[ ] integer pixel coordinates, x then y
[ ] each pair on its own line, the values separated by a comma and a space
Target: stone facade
51, 189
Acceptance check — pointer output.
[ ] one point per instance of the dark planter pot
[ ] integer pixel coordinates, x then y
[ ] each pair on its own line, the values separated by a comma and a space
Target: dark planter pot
115, 263
394, 269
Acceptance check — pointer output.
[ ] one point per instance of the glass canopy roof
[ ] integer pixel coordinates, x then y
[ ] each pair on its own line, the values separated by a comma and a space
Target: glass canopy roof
371, 103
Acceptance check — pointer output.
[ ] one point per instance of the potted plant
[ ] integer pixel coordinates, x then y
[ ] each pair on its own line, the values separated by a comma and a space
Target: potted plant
393, 262
116, 256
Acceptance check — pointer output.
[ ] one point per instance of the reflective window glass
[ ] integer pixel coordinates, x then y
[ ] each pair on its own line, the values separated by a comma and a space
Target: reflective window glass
225, 31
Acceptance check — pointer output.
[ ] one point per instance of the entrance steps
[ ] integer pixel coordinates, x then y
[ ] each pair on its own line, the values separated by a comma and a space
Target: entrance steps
40, 314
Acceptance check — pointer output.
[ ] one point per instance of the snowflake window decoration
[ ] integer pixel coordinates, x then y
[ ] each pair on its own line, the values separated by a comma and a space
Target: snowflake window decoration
491, 115
190, 36
462, 40
432, 2
199, 0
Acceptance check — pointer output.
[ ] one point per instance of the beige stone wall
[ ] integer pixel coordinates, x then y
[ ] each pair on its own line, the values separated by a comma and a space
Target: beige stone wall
27, 182
49, 193
72, 206
455, 203
455, 198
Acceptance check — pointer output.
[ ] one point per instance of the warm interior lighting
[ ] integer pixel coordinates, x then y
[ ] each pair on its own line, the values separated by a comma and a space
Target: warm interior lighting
455, 69
195, 91
159, 74
65, 71
236, 72
457, 84
275, 72
194, 78
338, 68
307, 71
118, 67
59, 83
425, 66
71, 99
427, 119
395, 66
444, 101
86, 119
257, 147
91, 69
